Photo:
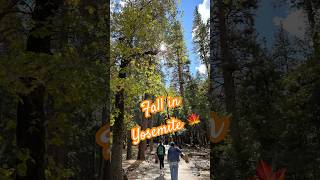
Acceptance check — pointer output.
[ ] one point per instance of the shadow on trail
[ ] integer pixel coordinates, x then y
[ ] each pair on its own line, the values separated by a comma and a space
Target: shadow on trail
161, 177
134, 165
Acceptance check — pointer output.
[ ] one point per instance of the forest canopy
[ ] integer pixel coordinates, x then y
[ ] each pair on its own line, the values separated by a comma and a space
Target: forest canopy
70, 67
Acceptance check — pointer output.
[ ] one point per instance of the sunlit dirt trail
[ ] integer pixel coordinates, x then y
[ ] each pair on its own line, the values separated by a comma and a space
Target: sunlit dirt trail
152, 171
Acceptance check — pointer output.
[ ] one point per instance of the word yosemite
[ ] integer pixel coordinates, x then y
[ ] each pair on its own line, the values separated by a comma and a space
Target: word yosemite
148, 107
173, 125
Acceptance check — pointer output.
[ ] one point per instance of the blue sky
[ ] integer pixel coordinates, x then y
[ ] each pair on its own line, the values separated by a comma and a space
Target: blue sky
268, 18
266, 15
188, 7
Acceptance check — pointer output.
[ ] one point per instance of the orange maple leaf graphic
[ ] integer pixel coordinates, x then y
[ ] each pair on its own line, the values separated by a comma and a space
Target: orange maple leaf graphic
264, 172
103, 139
219, 127
193, 119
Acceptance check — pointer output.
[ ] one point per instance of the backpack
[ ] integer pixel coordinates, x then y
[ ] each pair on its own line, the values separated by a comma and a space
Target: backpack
160, 150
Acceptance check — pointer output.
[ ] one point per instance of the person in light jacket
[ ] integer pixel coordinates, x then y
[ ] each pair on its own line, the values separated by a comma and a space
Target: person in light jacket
174, 159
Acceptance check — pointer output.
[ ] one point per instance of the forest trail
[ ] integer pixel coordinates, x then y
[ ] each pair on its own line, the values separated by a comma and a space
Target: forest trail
152, 171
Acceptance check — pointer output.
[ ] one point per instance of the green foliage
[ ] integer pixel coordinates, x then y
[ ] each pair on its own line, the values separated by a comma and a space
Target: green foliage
55, 171
200, 38
6, 174
73, 76
278, 109
23, 156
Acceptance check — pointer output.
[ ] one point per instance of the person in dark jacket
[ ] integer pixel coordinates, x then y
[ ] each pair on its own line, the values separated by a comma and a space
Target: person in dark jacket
174, 159
161, 152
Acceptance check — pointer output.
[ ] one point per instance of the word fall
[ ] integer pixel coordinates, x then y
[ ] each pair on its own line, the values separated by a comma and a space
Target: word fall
148, 107
173, 125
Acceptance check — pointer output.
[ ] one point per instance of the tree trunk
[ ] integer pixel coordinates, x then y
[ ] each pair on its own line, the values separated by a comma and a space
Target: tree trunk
150, 126
31, 117
117, 145
105, 172
31, 128
118, 127
129, 145
143, 144
180, 76
311, 13
105, 169
228, 67
213, 161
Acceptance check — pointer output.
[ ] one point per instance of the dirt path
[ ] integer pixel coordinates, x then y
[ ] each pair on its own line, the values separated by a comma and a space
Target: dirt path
151, 171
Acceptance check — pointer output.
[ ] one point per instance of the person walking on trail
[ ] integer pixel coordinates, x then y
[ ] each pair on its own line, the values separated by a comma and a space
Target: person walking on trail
161, 151
173, 159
